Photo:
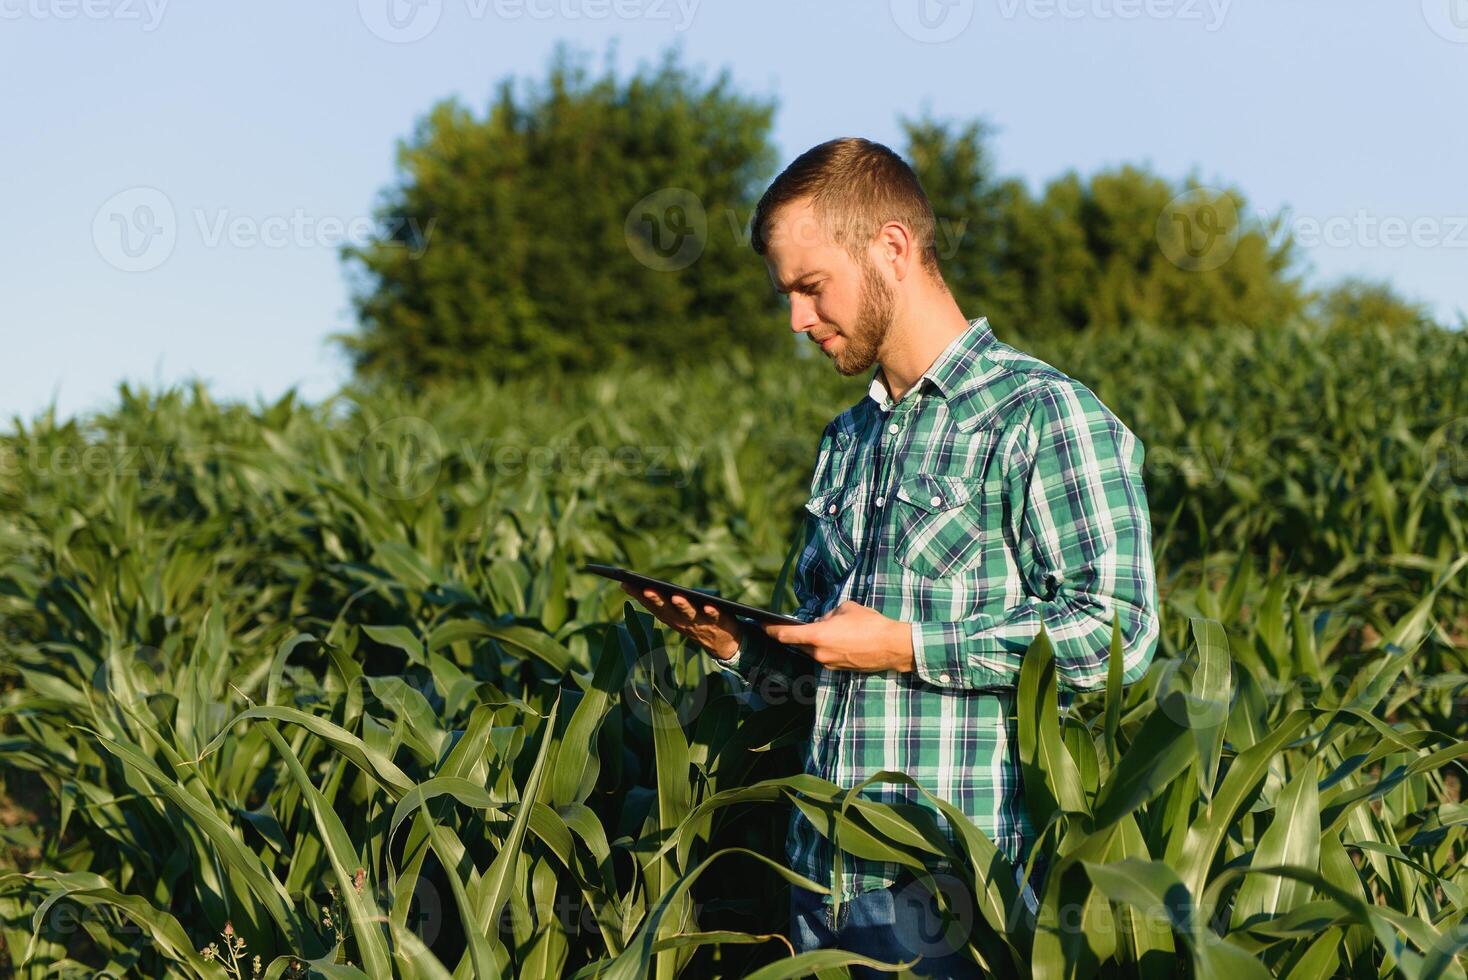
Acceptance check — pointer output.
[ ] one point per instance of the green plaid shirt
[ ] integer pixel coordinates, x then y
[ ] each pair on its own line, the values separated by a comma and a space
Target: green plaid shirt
999, 494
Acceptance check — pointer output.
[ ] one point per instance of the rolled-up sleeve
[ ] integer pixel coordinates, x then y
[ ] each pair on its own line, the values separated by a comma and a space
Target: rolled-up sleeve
1083, 546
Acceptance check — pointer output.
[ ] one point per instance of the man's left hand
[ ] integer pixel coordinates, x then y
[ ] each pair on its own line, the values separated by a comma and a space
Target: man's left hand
850, 637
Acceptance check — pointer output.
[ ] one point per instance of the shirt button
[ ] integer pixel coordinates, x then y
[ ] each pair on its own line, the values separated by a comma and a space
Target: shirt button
879, 501
936, 501
944, 678
892, 428
832, 510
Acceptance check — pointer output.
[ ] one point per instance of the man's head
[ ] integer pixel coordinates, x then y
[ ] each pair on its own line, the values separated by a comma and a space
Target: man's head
848, 236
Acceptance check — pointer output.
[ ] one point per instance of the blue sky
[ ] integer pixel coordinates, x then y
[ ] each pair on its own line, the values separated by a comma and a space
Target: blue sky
269, 128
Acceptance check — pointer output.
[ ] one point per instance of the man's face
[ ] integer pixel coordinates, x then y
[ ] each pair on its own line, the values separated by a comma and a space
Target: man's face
843, 303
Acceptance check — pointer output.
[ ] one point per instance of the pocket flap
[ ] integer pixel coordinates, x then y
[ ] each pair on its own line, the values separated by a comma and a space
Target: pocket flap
827, 503
931, 492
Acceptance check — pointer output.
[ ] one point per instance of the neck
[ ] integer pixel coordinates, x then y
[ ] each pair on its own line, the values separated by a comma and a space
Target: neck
920, 332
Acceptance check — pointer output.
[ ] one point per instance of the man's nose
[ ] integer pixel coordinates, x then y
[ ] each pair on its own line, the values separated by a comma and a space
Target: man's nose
802, 314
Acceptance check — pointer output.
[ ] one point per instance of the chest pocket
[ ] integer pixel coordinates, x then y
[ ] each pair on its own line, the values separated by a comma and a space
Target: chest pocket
834, 514
941, 524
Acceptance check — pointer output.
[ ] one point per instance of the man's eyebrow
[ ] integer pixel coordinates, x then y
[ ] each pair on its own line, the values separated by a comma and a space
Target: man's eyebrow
796, 282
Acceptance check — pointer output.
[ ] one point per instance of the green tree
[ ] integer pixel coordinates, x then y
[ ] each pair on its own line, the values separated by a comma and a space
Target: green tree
1120, 247
1357, 302
974, 211
1128, 246
578, 222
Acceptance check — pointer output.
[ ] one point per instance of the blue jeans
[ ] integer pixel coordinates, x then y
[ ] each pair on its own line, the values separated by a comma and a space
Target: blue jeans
895, 924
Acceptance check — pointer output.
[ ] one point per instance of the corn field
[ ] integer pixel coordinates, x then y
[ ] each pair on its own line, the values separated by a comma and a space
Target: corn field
295, 690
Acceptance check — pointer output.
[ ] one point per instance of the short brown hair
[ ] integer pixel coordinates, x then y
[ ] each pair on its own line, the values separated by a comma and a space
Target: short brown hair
855, 187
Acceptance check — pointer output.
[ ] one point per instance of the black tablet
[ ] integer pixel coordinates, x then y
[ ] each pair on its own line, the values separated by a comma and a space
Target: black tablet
696, 596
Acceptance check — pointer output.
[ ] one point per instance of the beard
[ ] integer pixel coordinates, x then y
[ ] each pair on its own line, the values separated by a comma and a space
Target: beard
859, 352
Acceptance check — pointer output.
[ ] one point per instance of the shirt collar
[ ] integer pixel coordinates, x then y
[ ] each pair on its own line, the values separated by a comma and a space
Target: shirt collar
948, 372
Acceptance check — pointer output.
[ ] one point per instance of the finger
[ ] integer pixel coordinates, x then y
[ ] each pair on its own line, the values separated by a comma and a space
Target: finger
693, 611
684, 606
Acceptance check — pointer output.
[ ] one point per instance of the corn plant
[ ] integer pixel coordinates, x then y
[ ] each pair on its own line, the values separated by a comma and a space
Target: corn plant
292, 689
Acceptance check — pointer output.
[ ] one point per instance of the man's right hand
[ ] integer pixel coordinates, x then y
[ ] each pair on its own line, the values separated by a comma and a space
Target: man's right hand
716, 631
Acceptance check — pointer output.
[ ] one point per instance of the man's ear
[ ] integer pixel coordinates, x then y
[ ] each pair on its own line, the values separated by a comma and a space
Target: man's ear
897, 248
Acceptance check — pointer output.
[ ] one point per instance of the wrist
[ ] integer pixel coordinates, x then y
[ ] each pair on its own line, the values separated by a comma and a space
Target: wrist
732, 649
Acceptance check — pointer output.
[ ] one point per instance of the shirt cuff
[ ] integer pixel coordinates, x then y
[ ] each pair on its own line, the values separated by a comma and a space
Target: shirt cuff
746, 655
941, 657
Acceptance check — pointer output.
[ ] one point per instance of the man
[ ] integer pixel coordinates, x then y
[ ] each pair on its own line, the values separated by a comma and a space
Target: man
974, 495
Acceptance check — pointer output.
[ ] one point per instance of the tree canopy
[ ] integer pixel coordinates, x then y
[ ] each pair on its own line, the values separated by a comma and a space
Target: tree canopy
577, 221
582, 220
